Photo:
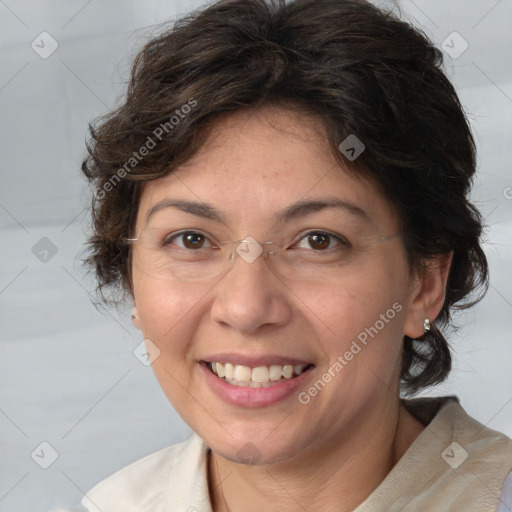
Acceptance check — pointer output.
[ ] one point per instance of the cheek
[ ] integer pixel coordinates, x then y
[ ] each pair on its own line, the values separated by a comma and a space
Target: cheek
362, 350
365, 308
167, 312
169, 316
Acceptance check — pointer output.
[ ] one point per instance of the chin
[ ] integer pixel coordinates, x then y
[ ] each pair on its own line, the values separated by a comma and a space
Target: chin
255, 452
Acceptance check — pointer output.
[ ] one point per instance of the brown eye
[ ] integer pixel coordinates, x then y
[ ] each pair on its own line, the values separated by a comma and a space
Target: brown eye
319, 241
188, 240
193, 240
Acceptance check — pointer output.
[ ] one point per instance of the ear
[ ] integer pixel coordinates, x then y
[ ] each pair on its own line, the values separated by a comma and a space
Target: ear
428, 294
136, 319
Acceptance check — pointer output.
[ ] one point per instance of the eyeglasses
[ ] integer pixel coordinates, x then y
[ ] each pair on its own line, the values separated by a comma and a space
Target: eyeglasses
192, 255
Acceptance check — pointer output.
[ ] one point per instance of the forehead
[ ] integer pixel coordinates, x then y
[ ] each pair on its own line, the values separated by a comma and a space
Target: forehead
266, 141
255, 163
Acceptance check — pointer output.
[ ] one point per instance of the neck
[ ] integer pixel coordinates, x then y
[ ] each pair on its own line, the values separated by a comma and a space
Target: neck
339, 477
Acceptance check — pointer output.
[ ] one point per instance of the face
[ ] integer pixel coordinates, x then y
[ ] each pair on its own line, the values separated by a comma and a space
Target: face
338, 321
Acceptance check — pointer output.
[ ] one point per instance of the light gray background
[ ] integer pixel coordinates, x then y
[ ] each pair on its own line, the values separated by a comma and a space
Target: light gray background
68, 375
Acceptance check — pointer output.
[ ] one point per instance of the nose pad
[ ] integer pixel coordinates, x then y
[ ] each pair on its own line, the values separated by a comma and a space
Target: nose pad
249, 250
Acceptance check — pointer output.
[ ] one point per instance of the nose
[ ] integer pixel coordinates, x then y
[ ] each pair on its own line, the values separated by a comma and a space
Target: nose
251, 298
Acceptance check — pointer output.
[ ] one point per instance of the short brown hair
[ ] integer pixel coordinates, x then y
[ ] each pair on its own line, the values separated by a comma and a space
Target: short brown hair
359, 69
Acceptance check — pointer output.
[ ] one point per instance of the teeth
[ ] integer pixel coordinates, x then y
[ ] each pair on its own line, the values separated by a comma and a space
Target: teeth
298, 368
241, 372
259, 376
229, 370
287, 371
275, 372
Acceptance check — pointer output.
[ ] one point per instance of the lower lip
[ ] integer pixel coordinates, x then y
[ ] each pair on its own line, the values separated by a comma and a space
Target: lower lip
253, 397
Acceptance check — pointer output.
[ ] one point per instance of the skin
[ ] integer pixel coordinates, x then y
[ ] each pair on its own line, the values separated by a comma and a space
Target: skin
331, 453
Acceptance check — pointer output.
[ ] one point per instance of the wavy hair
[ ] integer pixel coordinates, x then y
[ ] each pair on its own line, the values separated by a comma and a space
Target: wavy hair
360, 70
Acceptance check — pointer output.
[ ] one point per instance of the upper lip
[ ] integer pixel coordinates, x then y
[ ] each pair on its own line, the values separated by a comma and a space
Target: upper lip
253, 361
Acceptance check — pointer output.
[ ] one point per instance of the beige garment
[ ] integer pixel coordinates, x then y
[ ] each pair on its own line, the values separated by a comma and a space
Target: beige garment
429, 477
433, 475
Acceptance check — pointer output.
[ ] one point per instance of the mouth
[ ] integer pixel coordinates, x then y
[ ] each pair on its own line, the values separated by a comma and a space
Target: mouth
256, 376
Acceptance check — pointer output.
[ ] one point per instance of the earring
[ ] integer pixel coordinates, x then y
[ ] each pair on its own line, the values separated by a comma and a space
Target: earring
134, 313
426, 325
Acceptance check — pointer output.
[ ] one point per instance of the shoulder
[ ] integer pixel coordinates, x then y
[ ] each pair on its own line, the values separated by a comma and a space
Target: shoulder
150, 482
485, 445
506, 495
467, 442
456, 463
474, 459
445, 415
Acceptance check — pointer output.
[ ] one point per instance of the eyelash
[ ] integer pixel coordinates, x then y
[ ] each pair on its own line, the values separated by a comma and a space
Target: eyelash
342, 241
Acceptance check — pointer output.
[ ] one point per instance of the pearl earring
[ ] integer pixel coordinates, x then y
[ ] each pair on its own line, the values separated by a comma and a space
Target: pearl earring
426, 325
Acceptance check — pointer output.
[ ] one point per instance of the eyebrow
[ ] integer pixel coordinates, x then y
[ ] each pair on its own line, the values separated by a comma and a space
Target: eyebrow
295, 210
305, 207
199, 209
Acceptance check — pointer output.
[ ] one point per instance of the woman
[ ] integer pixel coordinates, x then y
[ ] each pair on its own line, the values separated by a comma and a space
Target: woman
284, 196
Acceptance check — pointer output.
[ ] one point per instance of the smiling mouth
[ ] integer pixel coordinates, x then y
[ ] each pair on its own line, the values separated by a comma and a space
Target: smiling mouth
258, 376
